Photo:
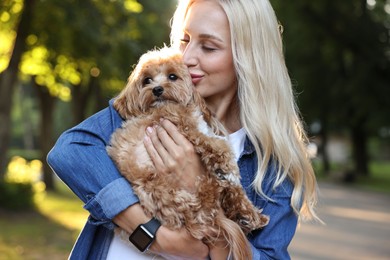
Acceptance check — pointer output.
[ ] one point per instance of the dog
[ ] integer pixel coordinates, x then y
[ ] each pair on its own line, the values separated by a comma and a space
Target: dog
160, 86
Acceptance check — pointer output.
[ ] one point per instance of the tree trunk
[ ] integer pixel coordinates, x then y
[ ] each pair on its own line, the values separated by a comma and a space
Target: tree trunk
324, 152
80, 98
27, 121
8, 79
359, 146
46, 141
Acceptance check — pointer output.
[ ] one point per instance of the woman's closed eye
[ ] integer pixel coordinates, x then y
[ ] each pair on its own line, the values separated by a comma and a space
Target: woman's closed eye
208, 48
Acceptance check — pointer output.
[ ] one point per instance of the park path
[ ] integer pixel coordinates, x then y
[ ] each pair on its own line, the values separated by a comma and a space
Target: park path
357, 227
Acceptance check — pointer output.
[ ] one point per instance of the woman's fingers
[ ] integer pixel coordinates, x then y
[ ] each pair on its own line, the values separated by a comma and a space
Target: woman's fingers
167, 142
152, 151
160, 148
176, 144
172, 153
174, 133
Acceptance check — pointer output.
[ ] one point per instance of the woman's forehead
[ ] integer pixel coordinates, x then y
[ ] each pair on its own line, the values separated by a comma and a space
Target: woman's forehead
207, 18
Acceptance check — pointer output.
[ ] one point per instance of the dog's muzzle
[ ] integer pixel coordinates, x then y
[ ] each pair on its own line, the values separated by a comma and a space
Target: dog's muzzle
157, 91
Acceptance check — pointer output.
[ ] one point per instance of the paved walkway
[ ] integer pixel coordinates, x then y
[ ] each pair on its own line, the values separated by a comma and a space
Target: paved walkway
357, 227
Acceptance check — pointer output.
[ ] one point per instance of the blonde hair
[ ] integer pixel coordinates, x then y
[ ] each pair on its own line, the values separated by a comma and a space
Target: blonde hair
268, 111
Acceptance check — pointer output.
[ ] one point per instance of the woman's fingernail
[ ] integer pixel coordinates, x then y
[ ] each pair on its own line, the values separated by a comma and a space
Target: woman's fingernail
149, 129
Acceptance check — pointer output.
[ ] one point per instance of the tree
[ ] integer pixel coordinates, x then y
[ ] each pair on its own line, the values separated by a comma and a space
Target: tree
8, 77
338, 52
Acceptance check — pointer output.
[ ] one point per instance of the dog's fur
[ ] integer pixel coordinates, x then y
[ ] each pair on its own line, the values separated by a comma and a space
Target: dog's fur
160, 87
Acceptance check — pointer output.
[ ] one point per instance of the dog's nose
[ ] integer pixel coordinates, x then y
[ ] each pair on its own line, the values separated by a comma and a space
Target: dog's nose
157, 91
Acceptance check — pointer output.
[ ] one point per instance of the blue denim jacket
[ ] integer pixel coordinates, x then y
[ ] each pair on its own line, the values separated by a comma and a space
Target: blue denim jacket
80, 159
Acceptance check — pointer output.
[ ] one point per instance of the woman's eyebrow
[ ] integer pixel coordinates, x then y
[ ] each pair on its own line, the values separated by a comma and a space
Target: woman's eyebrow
210, 36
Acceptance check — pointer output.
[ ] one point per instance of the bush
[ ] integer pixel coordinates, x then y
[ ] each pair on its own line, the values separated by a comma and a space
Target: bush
16, 196
22, 184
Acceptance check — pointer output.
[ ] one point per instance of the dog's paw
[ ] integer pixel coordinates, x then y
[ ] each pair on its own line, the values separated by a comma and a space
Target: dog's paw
249, 223
220, 174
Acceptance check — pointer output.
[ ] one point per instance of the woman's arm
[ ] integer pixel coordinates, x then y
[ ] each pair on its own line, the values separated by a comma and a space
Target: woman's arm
80, 159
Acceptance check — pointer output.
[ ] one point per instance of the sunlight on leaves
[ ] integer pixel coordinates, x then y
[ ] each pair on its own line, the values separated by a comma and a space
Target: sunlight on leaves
115, 85
7, 39
5, 17
133, 6
17, 7
67, 70
22, 171
36, 63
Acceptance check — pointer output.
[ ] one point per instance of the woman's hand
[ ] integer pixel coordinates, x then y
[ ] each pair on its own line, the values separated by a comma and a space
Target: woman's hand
178, 245
173, 154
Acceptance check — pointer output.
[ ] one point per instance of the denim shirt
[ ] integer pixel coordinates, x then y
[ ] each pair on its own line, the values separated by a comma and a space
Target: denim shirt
80, 160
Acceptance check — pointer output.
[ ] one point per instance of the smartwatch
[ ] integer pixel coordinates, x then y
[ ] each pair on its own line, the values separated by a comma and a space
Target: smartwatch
144, 234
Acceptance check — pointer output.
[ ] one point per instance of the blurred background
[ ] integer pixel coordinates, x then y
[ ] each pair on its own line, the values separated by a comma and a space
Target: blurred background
62, 60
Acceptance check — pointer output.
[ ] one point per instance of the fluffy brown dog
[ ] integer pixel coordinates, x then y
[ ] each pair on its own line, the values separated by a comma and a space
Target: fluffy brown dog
160, 87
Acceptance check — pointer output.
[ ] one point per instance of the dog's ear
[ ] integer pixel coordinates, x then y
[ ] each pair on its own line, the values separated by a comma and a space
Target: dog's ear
199, 101
125, 102
208, 117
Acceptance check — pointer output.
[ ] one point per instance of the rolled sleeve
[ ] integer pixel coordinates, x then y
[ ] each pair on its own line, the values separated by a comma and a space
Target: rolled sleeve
109, 201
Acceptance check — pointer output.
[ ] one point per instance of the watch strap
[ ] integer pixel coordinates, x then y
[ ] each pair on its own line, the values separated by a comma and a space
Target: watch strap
152, 226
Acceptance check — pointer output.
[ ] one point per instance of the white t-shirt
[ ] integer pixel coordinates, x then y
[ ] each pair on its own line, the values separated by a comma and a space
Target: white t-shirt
120, 249
237, 142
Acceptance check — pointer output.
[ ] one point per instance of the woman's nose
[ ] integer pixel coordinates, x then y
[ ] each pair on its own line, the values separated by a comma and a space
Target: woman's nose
189, 56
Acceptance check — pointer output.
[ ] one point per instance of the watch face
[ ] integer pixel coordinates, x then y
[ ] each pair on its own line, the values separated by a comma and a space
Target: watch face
141, 238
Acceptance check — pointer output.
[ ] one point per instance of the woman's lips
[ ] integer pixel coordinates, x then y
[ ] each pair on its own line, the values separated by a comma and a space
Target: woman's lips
196, 78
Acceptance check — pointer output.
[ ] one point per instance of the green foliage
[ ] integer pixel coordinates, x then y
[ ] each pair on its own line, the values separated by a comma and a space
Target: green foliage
16, 196
338, 54
84, 50
21, 185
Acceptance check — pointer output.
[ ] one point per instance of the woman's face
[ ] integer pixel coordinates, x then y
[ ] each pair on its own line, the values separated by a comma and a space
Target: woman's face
207, 52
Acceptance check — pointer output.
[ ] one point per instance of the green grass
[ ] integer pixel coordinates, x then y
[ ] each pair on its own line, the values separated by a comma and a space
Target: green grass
47, 233
378, 179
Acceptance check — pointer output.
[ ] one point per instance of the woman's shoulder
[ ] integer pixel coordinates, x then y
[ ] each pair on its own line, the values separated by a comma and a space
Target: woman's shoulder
108, 117
101, 124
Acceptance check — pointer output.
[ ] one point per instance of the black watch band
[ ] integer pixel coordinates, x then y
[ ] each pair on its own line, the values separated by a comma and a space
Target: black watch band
152, 226
145, 234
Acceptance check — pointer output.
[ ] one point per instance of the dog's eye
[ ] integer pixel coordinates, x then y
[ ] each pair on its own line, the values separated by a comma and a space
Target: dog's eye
147, 80
173, 77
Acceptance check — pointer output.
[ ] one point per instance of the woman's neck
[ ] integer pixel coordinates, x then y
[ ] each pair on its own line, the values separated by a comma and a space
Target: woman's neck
227, 111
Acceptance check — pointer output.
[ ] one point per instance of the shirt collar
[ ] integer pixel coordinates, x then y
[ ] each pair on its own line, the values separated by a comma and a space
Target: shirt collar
248, 147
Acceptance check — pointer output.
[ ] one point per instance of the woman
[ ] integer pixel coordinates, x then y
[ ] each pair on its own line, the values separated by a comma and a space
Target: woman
233, 50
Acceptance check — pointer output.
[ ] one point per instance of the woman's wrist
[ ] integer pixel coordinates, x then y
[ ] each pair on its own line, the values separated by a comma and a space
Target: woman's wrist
131, 218
158, 244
